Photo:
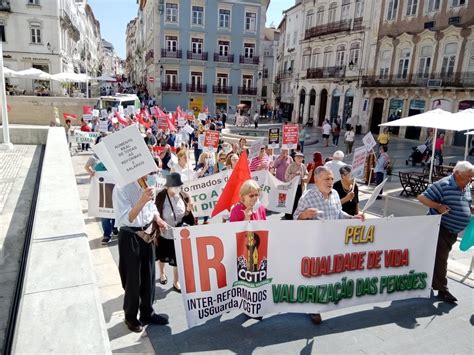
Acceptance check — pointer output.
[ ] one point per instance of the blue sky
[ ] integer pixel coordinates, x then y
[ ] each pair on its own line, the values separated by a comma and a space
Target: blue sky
114, 15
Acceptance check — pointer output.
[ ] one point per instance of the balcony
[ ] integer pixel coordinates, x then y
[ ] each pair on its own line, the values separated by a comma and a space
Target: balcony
357, 25
196, 88
5, 5
326, 73
246, 90
246, 60
197, 56
223, 58
333, 27
218, 89
171, 87
284, 74
171, 54
458, 79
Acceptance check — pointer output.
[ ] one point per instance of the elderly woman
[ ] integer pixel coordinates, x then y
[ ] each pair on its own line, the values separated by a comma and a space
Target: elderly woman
231, 161
221, 162
247, 208
348, 191
182, 168
175, 209
204, 167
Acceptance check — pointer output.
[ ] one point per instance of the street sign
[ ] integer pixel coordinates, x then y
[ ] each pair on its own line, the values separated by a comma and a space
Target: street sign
151, 79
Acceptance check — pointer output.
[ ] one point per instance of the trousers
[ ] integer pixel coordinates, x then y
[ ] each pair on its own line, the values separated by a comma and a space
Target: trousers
446, 240
137, 273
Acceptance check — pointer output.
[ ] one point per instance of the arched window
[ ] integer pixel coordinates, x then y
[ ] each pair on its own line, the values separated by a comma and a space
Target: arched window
327, 60
424, 64
354, 53
315, 58
449, 59
385, 63
359, 8
320, 16
309, 19
404, 63
340, 55
332, 12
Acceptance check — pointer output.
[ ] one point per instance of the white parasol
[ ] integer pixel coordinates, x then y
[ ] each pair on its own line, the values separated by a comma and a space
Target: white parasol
70, 77
32, 73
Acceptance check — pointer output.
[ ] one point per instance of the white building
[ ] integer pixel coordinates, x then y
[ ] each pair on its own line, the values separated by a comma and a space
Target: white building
53, 36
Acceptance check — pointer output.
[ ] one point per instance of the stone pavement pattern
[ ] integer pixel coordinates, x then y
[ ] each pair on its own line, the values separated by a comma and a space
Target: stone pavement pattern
410, 326
18, 169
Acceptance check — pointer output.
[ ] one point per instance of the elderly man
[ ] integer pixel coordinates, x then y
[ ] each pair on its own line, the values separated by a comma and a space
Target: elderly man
261, 162
450, 197
281, 163
322, 202
335, 164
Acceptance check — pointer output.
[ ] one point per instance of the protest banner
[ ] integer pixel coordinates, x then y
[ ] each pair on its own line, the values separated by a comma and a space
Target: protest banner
103, 125
85, 137
374, 195
95, 113
100, 195
290, 136
211, 139
274, 137
265, 267
104, 114
369, 141
181, 121
188, 129
125, 155
202, 116
358, 161
201, 141
276, 195
87, 118
255, 147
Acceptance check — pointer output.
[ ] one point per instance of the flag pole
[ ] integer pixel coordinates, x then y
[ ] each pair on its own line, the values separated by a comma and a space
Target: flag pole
6, 145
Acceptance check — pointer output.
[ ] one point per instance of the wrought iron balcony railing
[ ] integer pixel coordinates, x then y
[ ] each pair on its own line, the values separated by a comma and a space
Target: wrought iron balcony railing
196, 88
218, 89
247, 90
247, 60
197, 56
171, 54
223, 58
171, 87
333, 27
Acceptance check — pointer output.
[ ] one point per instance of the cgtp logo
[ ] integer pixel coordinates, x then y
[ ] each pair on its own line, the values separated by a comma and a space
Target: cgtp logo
252, 262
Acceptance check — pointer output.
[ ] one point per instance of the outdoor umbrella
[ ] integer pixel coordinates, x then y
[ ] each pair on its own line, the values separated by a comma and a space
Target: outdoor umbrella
437, 119
70, 77
32, 73
465, 118
105, 78
8, 73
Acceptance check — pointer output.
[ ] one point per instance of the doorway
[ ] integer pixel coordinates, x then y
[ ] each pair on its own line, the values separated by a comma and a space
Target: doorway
322, 107
312, 102
376, 118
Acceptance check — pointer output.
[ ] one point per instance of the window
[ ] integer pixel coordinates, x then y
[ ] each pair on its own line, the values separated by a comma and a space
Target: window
305, 61
267, 53
309, 20
35, 30
354, 53
432, 5
247, 81
346, 5
222, 79
224, 48
250, 21
392, 9
171, 43
449, 59
429, 24
2, 31
424, 64
359, 8
403, 63
196, 45
320, 16
172, 13
470, 66
196, 79
295, 38
288, 39
224, 18
171, 76
457, 3
384, 64
340, 55
265, 73
315, 59
411, 7
198, 15
33, 2
332, 12
327, 60
249, 50
454, 20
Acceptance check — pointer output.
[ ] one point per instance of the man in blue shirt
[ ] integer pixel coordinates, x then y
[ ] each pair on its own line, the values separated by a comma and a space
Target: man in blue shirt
450, 197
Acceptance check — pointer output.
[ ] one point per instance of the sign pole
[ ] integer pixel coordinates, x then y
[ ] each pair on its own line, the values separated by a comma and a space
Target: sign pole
6, 145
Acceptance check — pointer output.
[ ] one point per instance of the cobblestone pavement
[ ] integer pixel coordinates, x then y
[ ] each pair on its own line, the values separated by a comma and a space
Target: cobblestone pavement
10, 163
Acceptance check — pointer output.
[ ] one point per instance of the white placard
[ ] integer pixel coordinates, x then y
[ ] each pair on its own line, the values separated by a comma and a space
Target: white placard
369, 141
188, 129
87, 117
103, 113
374, 195
181, 121
120, 109
272, 267
103, 125
358, 161
255, 147
130, 110
202, 116
85, 137
100, 196
95, 113
125, 155
201, 141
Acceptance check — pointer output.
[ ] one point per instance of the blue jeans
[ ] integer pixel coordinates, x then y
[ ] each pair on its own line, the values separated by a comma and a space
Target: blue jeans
107, 226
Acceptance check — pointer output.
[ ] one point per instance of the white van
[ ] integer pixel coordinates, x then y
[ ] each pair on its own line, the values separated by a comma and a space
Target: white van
124, 100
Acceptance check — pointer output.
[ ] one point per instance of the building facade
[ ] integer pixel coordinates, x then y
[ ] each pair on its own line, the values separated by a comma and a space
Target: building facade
424, 60
53, 36
204, 53
326, 49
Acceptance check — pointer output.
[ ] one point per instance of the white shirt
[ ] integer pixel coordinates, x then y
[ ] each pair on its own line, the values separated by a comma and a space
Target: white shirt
179, 208
187, 174
334, 166
124, 198
326, 128
256, 117
349, 136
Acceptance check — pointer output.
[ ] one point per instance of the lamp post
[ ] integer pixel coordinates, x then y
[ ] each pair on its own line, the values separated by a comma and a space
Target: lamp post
6, 145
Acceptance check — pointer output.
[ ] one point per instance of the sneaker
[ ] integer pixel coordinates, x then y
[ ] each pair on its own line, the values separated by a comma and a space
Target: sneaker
105, 240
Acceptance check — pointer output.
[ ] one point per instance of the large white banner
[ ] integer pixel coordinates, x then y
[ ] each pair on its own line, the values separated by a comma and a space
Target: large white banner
264, 267
275, 195
100, 195
85, 137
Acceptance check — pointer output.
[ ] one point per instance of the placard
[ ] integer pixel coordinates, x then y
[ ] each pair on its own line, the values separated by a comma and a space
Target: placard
95, 113
103, 125
290, 136
188, 129
125, 155
104, 113
85, 137
274, 137
87, 117
100, 196
255, 147
358, 161
211, 139
369, 141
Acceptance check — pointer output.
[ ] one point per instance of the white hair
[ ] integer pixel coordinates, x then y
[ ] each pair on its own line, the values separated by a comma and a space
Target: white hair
463, 166
338, 155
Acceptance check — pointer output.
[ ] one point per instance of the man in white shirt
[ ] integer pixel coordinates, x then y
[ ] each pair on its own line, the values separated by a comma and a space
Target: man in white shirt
255, 119
335, 164
326, 133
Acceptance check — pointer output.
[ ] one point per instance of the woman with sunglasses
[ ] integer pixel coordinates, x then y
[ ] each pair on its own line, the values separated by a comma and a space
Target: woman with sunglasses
348, 191
248, 208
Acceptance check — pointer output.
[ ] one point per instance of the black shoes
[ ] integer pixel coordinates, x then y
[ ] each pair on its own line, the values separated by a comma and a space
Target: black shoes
316, 318
154, 319
446, 296
134, 325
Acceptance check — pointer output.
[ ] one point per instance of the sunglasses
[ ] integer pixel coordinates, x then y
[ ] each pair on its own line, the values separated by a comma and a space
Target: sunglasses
254, 195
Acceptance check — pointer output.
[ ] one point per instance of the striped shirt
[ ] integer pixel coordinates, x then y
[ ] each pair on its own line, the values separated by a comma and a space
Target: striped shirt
331, 208
447, 192
261, 163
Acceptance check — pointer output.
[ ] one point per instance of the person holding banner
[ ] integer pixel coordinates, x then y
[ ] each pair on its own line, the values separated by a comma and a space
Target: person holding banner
247, 209
450, 197
348, 191
182, 168
203, 167
297, 169
135, 211
175, 208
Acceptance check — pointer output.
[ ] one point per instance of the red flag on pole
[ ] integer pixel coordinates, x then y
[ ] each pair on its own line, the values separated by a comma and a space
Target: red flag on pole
171, 126
87, 110
159, 113
120, 119
231, 193
69, 116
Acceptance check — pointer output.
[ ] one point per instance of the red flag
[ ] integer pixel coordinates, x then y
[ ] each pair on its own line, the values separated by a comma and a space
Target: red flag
145, 113
120, 119
87, 110
69, 116
146, 124
171, 126
231, 193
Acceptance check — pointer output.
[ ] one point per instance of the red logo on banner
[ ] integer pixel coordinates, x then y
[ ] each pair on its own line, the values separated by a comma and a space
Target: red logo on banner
252, 260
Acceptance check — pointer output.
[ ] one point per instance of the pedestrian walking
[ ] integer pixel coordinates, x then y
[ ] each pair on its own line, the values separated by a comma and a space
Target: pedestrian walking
349, 138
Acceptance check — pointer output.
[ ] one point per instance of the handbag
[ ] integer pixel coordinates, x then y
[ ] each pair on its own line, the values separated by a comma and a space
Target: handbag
150, 234
468, 237
188, 218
